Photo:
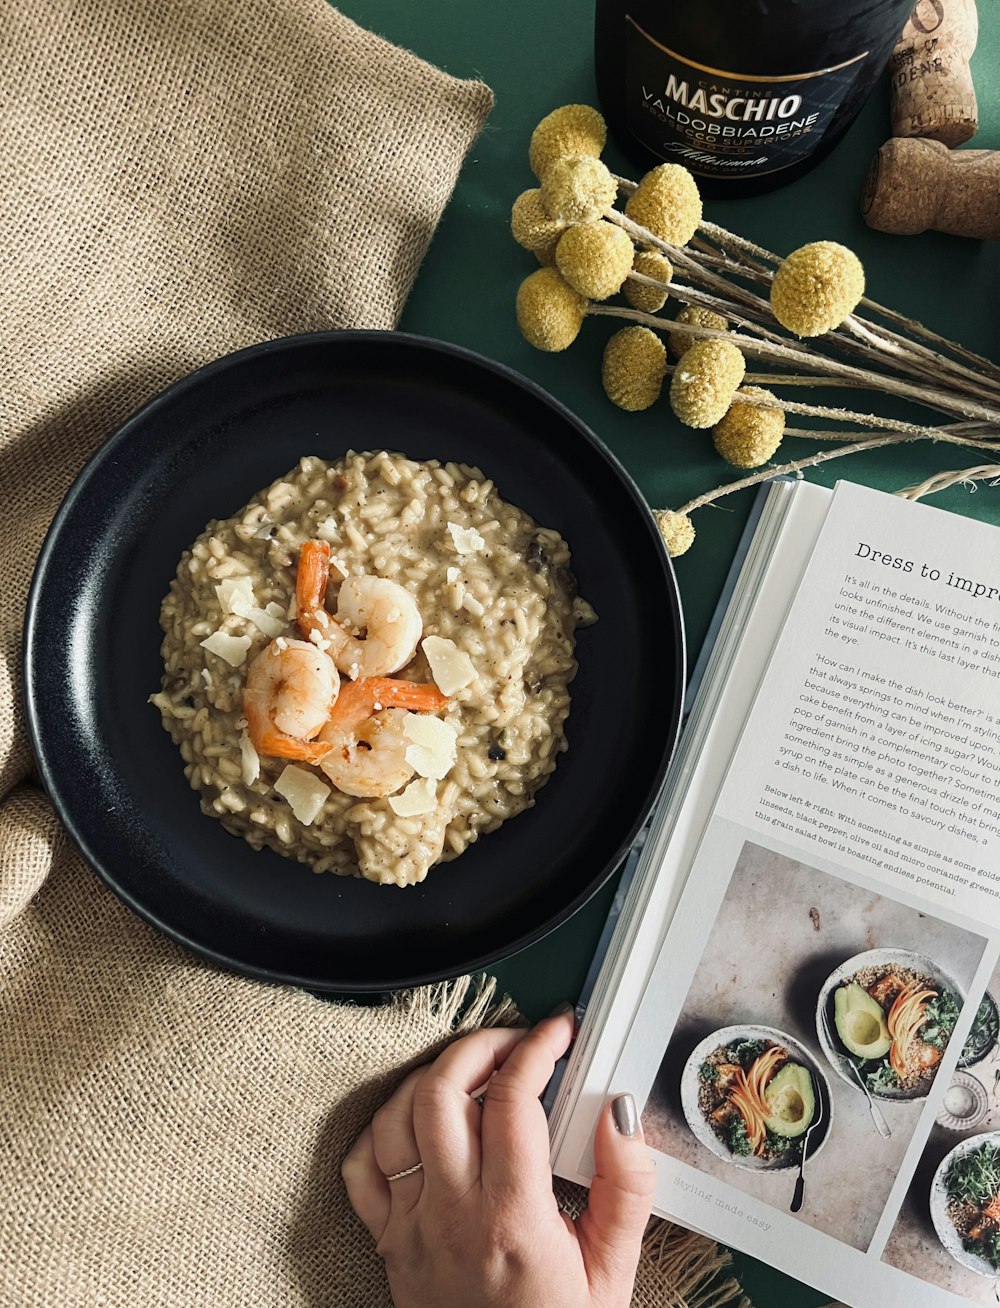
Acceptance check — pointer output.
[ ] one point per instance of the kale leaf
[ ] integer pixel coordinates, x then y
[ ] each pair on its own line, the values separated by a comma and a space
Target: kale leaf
940, 1017
737, 1138
745, 1052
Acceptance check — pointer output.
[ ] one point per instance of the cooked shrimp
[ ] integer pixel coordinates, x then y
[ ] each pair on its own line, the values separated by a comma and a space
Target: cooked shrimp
387, 620
364, 738
377, 624
290, 691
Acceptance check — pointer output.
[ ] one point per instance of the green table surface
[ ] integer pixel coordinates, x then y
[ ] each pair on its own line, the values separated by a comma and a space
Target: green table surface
536, 57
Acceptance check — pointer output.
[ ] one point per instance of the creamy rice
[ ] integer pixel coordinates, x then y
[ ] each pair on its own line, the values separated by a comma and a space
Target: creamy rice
502, 592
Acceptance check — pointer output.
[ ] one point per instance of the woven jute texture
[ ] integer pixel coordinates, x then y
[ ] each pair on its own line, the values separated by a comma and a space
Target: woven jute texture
178, 179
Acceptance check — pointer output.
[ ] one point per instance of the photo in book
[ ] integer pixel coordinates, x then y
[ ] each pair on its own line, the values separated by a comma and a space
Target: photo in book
775, 962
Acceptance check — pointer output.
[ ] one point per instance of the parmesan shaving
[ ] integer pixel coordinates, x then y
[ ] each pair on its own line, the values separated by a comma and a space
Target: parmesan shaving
466, 539
418, 798
235, 595
233, 649
451, 667
305, 793
433, 750
265, 622
249, 759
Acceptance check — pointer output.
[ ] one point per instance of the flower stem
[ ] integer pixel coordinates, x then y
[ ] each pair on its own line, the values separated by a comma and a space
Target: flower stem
942, 480
943, 401
798, 465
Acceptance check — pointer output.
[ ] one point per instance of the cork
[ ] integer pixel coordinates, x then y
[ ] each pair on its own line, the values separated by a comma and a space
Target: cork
931, 90
916, 185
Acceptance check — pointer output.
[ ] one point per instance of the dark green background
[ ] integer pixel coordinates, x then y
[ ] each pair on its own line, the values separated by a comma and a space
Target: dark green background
536, 56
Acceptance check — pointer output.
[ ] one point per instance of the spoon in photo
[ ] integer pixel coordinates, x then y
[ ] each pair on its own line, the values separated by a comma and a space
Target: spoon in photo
881, 1125
800, 1180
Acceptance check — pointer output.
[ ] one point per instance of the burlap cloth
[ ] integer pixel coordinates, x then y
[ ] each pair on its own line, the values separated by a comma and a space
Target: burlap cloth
181, 178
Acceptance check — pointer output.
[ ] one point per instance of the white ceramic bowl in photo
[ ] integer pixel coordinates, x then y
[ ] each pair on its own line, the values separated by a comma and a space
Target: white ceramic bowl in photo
943, 1225
835, 1052
970, 1057
691, 1084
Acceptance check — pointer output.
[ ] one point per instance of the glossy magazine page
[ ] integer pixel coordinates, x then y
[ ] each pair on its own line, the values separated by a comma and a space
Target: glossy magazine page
816, 1041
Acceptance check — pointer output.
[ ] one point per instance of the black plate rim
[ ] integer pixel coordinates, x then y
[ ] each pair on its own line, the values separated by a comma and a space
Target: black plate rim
121, 436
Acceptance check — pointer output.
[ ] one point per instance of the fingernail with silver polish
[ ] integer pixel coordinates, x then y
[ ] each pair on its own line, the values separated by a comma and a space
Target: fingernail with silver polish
560, 1009
624, 1115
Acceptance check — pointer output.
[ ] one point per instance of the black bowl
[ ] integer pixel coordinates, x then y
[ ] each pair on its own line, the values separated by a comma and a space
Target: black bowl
199, 451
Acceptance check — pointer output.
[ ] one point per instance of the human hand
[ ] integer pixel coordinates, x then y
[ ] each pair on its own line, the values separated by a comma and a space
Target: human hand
477, 1224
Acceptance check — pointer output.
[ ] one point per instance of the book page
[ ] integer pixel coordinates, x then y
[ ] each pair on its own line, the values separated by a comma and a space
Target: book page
887, 748
788, 526
816, 1042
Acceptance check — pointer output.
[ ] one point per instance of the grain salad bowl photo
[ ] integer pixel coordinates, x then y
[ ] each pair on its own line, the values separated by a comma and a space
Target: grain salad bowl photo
371, 667
755, 1097
965, 1203
884, 1019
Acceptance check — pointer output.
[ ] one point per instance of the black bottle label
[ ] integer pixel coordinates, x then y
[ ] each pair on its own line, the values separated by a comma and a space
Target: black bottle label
727, 124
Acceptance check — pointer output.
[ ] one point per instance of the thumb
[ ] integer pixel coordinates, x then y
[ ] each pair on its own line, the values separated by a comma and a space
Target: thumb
611, 1227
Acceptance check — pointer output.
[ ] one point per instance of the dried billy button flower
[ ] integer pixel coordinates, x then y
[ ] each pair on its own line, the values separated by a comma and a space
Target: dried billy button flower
667, 202
578, 190
705, 381
568, 132
634, 365
595, 258
816, 287
532, 227
748, 435
695, 316
677, 531
549, 312
648, 299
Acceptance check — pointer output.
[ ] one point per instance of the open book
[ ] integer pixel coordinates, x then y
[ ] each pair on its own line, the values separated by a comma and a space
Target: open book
799, 988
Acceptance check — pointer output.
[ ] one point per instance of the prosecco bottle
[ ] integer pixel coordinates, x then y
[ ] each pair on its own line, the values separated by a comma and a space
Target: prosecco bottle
747, 94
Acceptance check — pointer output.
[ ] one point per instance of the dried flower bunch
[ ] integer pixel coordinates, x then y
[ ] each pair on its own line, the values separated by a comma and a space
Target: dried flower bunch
736, 306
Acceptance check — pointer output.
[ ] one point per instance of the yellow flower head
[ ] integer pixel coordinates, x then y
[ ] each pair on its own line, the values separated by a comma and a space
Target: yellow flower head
667, 202
594, 258
633, 369
568, 132
816, 287
695, 316
531, 226
677, 531
747, 435
705, 381
578, 190
549, 312
648, 299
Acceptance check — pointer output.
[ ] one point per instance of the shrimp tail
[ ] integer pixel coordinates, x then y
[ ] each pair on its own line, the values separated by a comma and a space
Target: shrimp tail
312, 575
276, 744
311, 580
391, 692
268, 739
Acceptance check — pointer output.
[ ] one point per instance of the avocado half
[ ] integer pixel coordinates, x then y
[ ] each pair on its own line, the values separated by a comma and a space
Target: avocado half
860, 1022
791, 1100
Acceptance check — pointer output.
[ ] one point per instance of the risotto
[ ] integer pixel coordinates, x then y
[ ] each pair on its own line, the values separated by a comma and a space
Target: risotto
284, 623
